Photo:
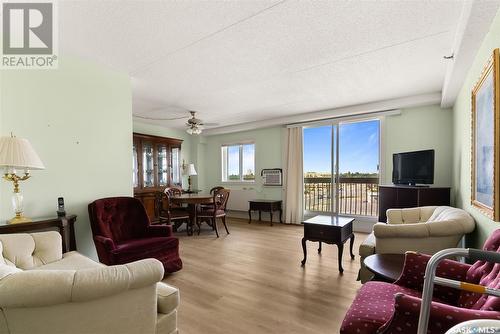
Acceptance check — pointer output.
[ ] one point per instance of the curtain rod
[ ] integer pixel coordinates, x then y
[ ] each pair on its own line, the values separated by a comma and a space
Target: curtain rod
370, 114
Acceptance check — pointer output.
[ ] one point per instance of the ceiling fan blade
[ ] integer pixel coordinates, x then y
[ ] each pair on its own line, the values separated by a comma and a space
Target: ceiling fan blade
160, 119
211, 124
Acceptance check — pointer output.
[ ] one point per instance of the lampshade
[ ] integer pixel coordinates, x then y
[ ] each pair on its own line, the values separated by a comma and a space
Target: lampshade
191, 170
18, 153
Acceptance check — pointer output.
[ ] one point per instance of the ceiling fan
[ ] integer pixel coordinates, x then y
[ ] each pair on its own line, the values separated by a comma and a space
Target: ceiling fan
194, 125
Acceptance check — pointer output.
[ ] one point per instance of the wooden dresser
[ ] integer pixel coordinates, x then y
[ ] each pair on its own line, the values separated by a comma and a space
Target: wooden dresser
399, 197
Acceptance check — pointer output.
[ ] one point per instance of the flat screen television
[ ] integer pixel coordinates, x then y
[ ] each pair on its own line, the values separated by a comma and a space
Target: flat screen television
412, 168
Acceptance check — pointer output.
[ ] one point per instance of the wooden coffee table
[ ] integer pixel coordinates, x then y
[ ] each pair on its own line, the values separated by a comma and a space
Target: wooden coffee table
386, 267
331, 230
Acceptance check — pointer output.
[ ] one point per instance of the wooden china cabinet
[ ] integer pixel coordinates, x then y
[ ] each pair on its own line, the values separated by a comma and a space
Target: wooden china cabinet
156, 166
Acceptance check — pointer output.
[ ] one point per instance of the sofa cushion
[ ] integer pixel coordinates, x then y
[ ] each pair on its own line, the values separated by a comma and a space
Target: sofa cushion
168, 298
27, 251
366, 317
410, 216
72, 261
373, 307
367, 248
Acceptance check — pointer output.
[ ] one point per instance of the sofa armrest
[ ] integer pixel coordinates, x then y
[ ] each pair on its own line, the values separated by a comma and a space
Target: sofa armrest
167, 298
444, 228
413, 273
442, 316
37, 288
159, 231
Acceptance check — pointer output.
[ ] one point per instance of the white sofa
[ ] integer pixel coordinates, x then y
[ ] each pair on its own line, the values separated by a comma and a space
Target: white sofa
45, 291
426, 229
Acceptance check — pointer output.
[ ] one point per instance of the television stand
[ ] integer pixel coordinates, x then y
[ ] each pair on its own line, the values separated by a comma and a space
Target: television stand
405, 196
412, 185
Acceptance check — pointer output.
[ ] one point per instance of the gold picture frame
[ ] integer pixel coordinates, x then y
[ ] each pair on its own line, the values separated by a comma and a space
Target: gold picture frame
485, 191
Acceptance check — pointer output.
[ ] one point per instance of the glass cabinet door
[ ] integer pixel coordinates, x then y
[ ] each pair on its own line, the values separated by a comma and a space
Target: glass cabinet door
135, 167
175, 171
148, 164
162, 165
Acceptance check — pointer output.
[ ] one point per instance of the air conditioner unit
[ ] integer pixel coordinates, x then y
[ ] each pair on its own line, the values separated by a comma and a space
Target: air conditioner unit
272, 176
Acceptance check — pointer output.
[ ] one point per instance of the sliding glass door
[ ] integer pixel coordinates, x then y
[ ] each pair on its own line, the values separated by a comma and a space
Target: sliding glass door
341, 168
319, 162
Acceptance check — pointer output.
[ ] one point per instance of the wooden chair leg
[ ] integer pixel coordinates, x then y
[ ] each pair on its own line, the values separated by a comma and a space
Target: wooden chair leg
224, 222
199, 226
215, 226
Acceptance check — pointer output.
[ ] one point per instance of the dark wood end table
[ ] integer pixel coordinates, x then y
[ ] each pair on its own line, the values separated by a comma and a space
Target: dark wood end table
266, 205
331, 230
65, 226
386, 267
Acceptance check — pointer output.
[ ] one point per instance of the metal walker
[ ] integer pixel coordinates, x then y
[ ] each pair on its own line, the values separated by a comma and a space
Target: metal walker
430, 279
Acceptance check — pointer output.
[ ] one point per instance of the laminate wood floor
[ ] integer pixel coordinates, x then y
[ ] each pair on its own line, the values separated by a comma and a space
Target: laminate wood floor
251, 281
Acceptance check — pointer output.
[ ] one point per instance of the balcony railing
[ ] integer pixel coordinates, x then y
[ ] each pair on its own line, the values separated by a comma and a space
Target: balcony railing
357, 196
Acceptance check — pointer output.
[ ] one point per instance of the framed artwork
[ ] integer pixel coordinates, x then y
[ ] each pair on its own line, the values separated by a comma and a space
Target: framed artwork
486, 140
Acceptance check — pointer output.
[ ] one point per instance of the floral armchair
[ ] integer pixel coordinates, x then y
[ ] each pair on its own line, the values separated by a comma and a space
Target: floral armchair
394, 308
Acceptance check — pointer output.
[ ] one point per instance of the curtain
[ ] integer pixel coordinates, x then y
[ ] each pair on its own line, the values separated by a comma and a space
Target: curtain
294, 176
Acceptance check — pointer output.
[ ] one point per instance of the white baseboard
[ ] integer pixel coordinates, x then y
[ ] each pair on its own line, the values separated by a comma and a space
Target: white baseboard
255, 215
361, 224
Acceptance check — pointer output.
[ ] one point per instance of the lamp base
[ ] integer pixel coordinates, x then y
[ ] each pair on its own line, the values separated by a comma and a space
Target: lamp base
19, 220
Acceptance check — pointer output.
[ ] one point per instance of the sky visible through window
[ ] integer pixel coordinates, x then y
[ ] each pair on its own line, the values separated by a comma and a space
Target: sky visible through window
248, 160
359, 148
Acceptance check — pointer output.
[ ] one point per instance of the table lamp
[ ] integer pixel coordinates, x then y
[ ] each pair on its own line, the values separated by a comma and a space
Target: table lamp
191, 172
18, 154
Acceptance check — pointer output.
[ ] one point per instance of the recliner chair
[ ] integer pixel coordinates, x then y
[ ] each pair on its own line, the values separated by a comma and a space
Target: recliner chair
123, 233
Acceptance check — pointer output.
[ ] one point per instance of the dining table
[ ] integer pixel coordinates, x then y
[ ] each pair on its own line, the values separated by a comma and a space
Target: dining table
193, 201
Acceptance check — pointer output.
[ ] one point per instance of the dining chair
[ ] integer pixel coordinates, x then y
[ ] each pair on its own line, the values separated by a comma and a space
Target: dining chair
212, 191
170, 213
218, 210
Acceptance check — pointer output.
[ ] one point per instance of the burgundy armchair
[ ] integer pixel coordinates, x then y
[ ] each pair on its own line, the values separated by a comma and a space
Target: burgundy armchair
123, 233
394, 308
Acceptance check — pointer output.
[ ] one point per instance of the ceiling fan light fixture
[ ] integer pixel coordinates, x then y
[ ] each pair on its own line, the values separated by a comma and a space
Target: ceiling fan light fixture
194, 125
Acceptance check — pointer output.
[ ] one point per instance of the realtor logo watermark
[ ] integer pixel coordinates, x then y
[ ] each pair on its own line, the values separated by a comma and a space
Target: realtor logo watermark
29, 35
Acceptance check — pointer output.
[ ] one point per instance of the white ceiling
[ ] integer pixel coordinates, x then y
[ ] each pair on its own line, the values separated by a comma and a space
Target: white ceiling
244, 61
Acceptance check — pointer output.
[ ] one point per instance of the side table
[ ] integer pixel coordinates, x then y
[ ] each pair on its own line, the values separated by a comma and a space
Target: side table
65, 226
266, 205
331, 230
386, 267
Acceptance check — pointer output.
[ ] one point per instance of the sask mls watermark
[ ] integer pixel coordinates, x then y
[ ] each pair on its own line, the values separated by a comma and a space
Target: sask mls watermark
29, 35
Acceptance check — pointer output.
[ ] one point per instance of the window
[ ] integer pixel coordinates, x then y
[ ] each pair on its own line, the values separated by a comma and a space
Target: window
238, 163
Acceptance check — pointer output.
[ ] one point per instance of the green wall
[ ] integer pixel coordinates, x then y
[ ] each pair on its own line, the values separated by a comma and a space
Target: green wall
186, 149
79, 120
268, 154
420, 128
462, 138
